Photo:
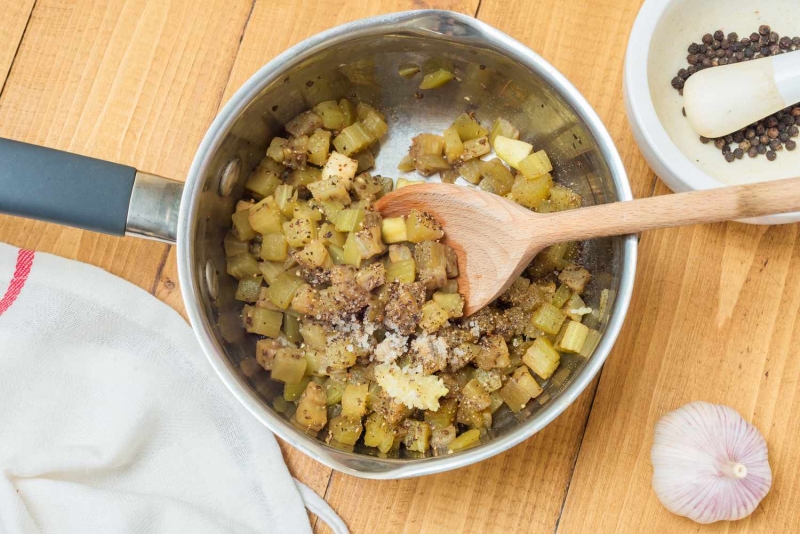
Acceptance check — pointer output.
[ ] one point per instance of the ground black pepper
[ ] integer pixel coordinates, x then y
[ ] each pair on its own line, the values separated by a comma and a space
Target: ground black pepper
768, 135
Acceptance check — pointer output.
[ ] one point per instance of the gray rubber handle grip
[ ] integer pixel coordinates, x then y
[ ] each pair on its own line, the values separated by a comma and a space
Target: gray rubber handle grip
59, 187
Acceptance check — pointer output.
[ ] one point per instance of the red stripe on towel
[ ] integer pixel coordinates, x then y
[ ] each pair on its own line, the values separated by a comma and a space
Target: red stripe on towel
21, 272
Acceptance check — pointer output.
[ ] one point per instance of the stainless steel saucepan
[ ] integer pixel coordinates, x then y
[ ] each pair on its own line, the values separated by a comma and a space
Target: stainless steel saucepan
496, 77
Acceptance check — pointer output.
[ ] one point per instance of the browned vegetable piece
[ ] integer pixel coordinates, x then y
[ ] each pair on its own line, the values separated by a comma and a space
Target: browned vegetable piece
431, 262
304, 124
493, 354
404, 309
371, 276
265, 352
311, 410
391, 410
575, 278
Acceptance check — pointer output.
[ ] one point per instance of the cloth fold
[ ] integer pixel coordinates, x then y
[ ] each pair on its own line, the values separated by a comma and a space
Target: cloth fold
111, 419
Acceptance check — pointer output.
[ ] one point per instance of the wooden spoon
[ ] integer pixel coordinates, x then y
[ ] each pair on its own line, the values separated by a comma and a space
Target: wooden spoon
495, 239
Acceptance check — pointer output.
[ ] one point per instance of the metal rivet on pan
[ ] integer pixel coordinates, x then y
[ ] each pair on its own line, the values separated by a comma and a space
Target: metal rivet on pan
212, 280
230, 175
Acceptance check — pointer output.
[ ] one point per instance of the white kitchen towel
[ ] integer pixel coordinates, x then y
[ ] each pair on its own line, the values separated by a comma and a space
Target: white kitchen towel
111, 420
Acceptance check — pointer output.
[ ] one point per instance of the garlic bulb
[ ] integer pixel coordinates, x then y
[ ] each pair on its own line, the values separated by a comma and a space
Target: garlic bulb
709, 464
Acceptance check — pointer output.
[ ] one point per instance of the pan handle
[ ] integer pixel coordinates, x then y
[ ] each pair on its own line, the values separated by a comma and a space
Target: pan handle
92, 194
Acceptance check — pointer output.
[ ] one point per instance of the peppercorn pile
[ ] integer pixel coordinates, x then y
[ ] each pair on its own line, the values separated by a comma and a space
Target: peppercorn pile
769, 135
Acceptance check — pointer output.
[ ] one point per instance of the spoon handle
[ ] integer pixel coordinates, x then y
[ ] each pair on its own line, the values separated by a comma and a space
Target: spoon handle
666, 211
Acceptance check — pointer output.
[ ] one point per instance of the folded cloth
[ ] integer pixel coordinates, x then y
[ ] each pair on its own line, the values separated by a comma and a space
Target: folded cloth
111, 420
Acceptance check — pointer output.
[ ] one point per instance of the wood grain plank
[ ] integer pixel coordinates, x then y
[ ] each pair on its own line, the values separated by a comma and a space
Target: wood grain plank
13, 21
134, 82
585, 40
714, 318
274, 26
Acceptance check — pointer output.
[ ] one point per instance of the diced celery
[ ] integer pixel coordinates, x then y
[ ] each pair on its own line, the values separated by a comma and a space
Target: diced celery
348, 111
402, 182
285, 196
592, 340
307, 210
345, 430
573, 338
247, 291
562, 295
329, 235
467, 440
363, 110
453, 147
314, 335
444, 416
436, 79
354, 400
368, 241
431, 261
575, 277
293, 392
291, 327
563, 199
512, 151
352, 139
393, 230
304, 177
401, 271
241, 226
375, 124
336, 253
475, 148
300, 231
421, 227
280, 404
514, 395
523, 377
474, 396
548, 318
331, 115
450, 287
497, 178
406, 164
504, 128
574, 308
408, 70
234, 247
262, 181
468, 128
365, 159
262, 321
428, 164
449, 176
311, 412
274, 247
378, 433
418, 435
318, 147
270, 270
535, 165
330, 190
314, 359
275, 150
283, 289
351, 253
399, 252
470, 171
433, 317
542, 357
451, 303
265, 217
349, 220
530, 192
242, 266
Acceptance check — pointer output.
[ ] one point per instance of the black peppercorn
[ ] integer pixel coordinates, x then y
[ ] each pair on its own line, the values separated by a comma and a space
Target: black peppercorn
764, 51
764, 139
750, 133
771, 155
736, 47
683, 73
693, 68
745, 145
692, 59
796, 41
796, 112
738, 137
719, 143
783, 136
693, 48
774, 49
706, 63
788, 119
677, 82
772, 133
726, 149
755, 141
762, 149
724, 61
715, 44
733, 37
754, 37
752, 152
729, 138
760, 130
774, 37
775, 144
748, 53
704, 140
710, 52
793, 131
724, 44
745, 42
729, 157
785, 42
719, 35
772, 121
764, 29
738, 153
791, 145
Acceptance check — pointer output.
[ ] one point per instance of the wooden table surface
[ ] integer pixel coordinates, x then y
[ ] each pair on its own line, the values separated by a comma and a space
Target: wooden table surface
714, 315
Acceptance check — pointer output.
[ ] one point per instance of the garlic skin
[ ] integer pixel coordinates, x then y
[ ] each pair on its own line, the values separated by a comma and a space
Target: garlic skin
709, 464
